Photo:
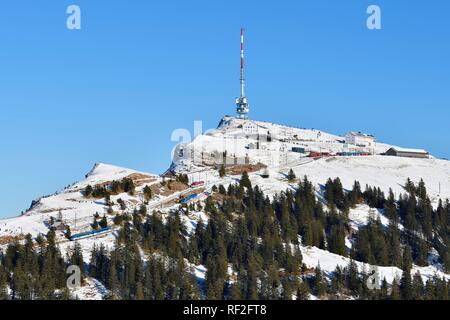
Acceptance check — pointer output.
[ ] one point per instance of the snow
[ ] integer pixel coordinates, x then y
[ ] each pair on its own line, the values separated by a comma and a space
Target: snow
360, 216
348, 243
383, 172
92, 289
103, 172
190, 221
313, 256
108, 241
200, 271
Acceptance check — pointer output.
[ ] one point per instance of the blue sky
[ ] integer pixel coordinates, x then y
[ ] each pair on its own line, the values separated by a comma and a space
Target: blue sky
116, 89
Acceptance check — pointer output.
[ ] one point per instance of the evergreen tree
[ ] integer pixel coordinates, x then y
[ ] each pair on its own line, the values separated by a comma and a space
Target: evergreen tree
355, 194
128, 186
320, 284
407, 258
88, 191
147, 193
352, 277
94, 224
291, 176
237, 288
252, 280
103, 222
336, 240
245, 181
222, 171
303, 291
417, 287
429, 290
393, 237
395, 291
406, 286
76, 258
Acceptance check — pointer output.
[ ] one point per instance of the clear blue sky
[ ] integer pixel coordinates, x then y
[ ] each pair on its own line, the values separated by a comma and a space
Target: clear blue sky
116, 89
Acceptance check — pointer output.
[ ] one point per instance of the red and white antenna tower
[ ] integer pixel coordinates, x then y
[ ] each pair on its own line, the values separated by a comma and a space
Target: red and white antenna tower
242, 63
241, 102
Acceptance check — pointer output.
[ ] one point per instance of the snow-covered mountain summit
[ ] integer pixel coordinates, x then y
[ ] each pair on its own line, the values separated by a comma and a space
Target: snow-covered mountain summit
245, 141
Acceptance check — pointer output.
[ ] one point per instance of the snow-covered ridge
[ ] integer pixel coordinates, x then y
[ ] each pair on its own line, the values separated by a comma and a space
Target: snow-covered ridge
76, 209
102, 172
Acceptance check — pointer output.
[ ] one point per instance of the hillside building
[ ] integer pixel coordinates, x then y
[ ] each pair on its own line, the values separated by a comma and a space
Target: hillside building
249, 128
360, 139
407, 153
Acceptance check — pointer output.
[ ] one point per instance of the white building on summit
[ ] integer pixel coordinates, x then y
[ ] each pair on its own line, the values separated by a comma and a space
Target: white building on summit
249, 127
360, 139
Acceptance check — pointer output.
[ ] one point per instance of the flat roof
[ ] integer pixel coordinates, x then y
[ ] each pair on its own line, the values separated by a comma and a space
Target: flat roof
360, 134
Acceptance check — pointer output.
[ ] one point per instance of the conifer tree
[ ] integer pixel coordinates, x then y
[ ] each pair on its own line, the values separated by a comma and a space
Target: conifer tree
429, 290
222, 172
128, 186
355, 194
407, 258
237, 287
406, 286
291, 176
245, 181
303, 291
384, 290
336, 240
417, 287
94, 224
147, 193
88, 191
352, 277
252, 280
76, 258
103, 222
395, 291
320, 285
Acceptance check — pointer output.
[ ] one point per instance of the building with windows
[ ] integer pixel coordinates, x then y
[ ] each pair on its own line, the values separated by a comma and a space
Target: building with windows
250, 128
360, 139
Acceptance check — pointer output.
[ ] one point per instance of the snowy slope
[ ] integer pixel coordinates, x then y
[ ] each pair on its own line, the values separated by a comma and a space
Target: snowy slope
360, 216
77, 211
312, 257
91, 290
382, 171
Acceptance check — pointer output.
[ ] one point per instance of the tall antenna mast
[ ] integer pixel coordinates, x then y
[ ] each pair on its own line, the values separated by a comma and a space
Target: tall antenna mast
241, 102
242, 63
